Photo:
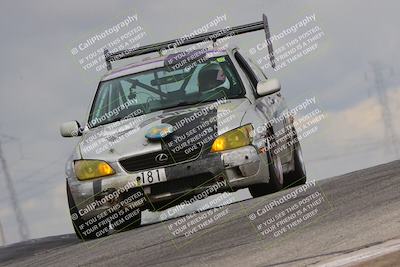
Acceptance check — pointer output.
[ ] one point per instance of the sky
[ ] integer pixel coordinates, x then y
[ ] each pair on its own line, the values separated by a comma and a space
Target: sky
42, 84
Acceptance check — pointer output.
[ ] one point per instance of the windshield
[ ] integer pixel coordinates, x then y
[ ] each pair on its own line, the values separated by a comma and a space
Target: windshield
163, 88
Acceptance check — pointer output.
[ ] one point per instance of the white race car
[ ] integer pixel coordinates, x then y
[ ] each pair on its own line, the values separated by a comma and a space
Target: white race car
175, 128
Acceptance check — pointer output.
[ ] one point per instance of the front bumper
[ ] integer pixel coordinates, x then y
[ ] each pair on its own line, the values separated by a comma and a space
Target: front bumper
224, 171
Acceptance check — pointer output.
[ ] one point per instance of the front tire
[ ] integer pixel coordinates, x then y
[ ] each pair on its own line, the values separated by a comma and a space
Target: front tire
298, 175
79, 223
275, 177
85, 230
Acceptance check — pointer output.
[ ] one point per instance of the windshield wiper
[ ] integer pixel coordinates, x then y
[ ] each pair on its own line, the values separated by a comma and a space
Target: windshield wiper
182, 104
188, 103
110, 121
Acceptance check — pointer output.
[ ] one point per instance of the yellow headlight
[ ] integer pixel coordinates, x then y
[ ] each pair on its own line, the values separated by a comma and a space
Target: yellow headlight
89, 169
233, 139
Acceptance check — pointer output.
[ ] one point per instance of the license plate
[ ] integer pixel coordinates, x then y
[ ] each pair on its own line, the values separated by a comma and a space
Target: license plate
150, 177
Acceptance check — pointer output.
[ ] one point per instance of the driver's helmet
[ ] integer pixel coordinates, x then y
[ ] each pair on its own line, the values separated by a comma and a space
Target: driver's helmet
211, 77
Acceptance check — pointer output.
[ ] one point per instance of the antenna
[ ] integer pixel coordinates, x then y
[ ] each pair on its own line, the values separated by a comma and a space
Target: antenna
389, 131
2, 238
22, 226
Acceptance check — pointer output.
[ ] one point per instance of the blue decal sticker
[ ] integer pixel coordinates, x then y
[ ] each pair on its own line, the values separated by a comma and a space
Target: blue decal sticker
159, 131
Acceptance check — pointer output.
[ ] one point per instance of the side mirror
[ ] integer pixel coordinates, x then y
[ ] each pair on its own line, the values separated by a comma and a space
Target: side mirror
268, 87
70, 129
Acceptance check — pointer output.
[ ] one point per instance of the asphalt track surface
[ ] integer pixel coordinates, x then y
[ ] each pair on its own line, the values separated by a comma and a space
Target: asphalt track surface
356, 210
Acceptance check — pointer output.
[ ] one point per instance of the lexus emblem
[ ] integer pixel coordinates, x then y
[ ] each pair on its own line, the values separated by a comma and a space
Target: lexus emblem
161, 157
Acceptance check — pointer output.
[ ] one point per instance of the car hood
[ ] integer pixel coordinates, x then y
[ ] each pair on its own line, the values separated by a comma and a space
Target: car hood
126, 138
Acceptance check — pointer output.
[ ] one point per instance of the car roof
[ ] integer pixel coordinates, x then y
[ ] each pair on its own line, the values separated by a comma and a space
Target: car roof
152, 63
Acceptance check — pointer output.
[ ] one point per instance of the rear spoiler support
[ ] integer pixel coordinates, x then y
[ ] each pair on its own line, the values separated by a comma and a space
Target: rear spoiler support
209, 36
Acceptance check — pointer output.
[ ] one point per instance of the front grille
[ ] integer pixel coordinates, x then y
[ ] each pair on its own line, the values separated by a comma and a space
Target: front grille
182, 184
148, 161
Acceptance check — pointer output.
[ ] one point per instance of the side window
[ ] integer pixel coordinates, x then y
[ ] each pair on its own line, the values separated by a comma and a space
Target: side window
247, 70
103, 101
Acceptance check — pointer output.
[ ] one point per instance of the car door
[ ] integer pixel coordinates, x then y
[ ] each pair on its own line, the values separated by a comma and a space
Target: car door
272, 107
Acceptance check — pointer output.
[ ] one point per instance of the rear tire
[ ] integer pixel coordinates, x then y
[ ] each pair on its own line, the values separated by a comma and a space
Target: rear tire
275, 177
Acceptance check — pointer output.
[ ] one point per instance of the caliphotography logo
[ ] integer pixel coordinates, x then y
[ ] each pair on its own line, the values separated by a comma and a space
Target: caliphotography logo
171, 133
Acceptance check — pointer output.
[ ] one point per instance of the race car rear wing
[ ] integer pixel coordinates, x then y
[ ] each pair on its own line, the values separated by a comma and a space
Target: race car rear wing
209, 36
